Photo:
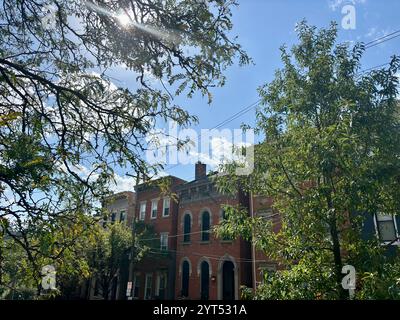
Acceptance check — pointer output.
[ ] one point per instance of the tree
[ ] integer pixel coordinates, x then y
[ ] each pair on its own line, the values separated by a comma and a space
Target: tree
329, 159
65, 126
64, 248
112, 247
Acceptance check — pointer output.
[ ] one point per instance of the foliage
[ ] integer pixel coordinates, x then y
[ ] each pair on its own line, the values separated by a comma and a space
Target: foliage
329, 159
66, 126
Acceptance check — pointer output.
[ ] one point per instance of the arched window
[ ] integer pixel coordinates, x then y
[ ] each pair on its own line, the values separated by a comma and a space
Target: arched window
223, 219
205, 280
185, 278
187, 226
205, 226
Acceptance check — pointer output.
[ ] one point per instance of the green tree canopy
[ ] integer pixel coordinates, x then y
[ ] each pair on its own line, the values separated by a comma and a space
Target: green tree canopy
329, 159
64, 125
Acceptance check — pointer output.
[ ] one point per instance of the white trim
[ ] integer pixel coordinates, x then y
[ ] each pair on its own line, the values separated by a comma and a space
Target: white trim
124, 211
161, 242
164, 207
396, 230
135, 278
158, 281
204, 259
187, 213
142, 218
154, 201
222, 260
145, 285
201, 260
181, 263
202, 211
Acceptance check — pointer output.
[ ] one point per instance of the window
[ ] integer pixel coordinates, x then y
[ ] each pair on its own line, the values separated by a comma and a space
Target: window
205, 226
148, 286
164, 241
386, 228
142, 214
161, 285
203, 191
265, 271
185, 278
187, 226
267, 213
154, 205
96, 287
113, 215
205, 280
166, 207
136, 285
224, 217
122, 216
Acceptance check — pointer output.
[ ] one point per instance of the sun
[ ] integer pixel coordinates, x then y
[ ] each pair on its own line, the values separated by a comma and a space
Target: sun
124, 19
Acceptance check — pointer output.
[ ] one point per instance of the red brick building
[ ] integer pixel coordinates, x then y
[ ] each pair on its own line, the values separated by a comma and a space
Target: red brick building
207, 267
154, 277
186, 260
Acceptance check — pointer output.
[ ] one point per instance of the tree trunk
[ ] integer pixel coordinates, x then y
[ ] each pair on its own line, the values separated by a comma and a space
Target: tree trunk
337, 256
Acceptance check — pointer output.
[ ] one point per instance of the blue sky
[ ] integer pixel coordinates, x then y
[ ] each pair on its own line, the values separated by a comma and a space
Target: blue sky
262, 26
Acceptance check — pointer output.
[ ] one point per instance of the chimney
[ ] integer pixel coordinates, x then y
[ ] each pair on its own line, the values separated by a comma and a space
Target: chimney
200, 170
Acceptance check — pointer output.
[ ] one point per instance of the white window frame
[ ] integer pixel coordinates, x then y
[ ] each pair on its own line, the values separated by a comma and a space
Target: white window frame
164, 235
396, 230
135, 280
145, 285
122, 212
142, 213
154, 207
159, 274
166, 200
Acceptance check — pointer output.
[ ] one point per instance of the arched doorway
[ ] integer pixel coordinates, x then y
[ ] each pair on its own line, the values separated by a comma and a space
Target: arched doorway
205, 280
185, 278
228, 281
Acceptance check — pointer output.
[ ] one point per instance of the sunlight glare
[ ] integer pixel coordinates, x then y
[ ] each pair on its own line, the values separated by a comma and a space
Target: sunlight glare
124, 19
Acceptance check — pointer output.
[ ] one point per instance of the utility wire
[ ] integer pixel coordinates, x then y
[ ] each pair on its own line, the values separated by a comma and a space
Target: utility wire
382, 39
246, 109
211, 257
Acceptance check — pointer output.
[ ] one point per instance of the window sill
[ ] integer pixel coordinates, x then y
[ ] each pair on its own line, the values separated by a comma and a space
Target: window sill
228, 241
186, 243
390, 243
205, 242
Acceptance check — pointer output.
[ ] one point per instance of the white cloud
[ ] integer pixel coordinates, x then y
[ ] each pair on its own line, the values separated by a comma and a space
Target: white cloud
122, 184
222, 151
335, 4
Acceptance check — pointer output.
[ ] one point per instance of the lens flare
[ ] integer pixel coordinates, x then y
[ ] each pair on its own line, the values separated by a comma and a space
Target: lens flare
123, 19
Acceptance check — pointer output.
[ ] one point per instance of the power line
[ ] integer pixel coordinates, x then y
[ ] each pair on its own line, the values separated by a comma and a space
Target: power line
368, 45
383, 41
228, 120
373, 68
377, 41
238, 114
274, 223
208, 256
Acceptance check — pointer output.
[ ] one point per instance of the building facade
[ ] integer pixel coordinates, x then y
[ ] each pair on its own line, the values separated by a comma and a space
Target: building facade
121, 208
208, 267
154, 277
187, 260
